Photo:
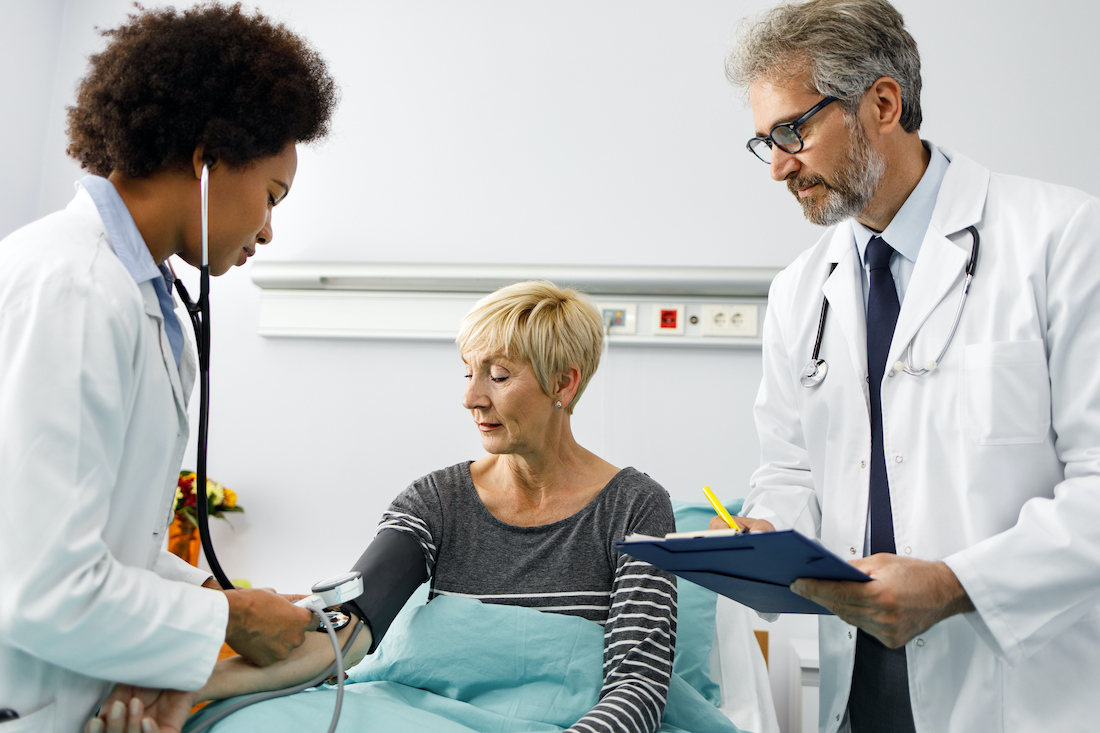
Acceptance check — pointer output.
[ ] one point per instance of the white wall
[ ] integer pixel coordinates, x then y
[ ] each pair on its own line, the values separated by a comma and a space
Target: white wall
30, 38
526, 132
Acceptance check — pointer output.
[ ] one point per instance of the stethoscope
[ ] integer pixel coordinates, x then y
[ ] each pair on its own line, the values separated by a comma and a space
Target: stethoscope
326, 593
815, 371
200, 320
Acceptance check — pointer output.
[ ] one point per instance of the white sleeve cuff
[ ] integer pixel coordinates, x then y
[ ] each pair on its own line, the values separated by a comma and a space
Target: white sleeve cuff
984, 619
172, 567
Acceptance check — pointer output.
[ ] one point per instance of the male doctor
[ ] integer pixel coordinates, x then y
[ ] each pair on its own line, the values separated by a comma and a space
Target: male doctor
969, 488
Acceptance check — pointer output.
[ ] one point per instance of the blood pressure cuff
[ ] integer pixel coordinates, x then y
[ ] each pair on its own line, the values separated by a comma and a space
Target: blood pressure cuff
393, 568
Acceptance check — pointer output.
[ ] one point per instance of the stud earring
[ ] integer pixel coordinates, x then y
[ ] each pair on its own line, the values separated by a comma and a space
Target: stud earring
559, 403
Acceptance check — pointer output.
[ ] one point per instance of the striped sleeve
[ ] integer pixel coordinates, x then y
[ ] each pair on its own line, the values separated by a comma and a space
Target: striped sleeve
639, 644
411, 524
414, 512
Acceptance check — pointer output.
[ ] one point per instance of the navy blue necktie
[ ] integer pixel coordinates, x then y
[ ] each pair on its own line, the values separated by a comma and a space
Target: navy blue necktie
879, 700
882, 316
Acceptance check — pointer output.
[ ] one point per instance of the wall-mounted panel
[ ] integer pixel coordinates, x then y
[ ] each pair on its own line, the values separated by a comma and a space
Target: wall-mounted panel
712, 307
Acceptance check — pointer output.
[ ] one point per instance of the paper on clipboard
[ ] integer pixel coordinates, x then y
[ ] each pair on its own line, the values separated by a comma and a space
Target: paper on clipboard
755, 569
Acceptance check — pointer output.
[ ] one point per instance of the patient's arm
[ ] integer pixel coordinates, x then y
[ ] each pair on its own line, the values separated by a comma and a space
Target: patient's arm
393, 567
236, 676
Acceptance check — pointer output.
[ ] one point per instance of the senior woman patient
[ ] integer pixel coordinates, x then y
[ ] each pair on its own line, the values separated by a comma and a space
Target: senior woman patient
530, 524
533, 522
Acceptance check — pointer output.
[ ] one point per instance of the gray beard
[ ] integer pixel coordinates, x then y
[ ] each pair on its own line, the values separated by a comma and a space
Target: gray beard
855, 185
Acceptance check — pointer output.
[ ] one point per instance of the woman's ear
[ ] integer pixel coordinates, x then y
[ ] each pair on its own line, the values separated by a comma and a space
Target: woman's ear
567, 383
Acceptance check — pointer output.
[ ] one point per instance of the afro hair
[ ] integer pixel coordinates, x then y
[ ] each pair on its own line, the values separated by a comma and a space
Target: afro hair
168, 81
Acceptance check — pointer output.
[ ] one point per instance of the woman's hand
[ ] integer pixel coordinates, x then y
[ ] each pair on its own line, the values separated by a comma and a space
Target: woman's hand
130, 709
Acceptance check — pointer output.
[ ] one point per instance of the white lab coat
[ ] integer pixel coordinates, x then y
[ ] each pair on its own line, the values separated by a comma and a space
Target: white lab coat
93, 419
993, 458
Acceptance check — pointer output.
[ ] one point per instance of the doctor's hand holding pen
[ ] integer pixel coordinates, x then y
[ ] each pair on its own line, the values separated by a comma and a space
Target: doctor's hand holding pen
725, 521
746, 524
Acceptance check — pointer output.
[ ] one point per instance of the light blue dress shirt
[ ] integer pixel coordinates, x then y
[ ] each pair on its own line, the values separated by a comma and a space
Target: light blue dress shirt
131, 250
904, 233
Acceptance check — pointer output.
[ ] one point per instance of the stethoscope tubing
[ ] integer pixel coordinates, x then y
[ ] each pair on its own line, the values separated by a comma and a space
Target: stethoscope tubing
200, 321
821, 320
814, 372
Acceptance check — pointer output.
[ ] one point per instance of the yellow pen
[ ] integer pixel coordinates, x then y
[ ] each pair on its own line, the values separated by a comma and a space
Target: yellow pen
720, 509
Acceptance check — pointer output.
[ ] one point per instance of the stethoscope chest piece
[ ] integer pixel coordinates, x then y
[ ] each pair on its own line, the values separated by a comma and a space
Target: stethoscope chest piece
814, 373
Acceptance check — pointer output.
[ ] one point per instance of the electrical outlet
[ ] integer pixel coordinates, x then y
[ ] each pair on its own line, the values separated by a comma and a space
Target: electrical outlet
668, 319
733, 319
623, 317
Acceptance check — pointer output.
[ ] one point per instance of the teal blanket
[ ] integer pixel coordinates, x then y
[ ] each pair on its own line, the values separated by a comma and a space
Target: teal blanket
457, 665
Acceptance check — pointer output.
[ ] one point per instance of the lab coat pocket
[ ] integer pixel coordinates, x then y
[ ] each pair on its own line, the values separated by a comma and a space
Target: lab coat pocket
1006, 392
40, 721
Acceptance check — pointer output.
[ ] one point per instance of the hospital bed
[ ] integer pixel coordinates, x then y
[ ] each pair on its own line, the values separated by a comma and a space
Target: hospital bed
456, 665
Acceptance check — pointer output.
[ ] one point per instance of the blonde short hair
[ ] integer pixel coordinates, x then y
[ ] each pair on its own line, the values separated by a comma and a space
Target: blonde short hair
536, 321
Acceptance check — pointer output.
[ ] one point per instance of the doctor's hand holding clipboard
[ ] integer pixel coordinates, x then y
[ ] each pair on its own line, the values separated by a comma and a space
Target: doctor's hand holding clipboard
905, 597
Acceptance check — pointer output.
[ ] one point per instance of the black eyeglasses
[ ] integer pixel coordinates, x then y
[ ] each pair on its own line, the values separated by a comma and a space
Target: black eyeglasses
785, 136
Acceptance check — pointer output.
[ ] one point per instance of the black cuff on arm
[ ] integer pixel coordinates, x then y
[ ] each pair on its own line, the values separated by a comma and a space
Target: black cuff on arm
393, 568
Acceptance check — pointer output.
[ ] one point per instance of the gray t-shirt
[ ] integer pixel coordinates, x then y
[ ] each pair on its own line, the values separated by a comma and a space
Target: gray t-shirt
569, 567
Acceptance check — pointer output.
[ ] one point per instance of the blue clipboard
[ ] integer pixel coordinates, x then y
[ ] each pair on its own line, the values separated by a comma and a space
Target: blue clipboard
754, 569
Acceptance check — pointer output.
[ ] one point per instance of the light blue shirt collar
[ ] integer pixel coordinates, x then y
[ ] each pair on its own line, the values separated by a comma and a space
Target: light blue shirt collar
126, 240
906, 231
131, 250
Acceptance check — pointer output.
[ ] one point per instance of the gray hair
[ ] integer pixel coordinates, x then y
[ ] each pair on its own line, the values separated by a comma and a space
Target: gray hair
845, 45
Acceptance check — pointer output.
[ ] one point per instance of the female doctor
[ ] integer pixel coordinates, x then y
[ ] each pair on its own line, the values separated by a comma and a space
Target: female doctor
96, 372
